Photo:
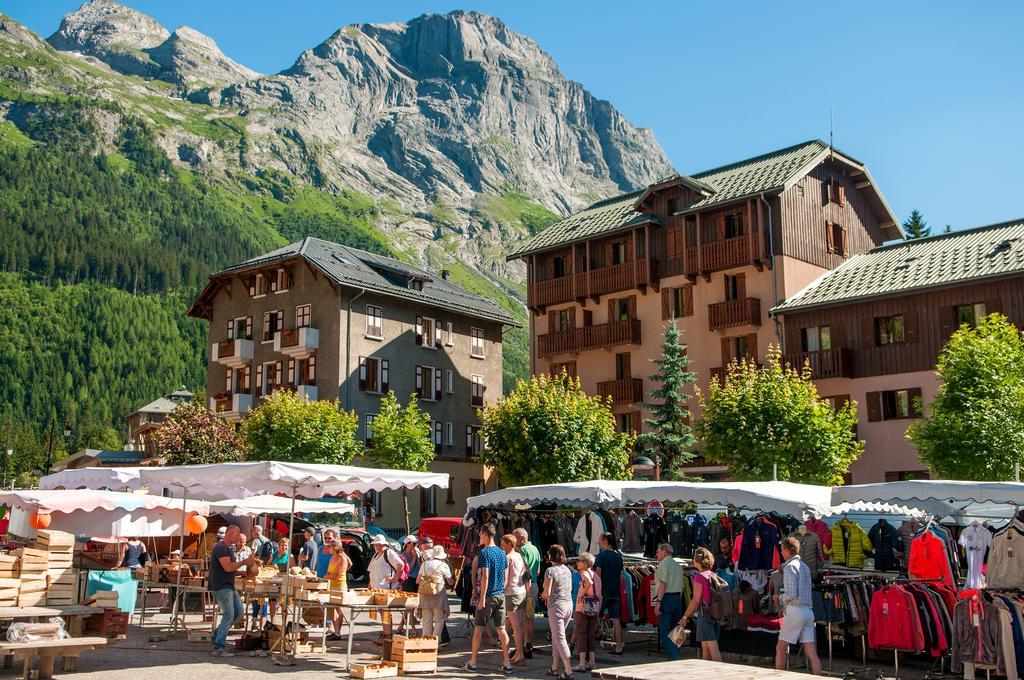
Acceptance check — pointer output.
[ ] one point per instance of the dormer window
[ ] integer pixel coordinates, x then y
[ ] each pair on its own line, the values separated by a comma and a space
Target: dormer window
415, 284
280, 280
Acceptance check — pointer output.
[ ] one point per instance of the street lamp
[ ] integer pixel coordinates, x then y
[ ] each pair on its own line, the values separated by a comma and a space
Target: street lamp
49, 448
7, 466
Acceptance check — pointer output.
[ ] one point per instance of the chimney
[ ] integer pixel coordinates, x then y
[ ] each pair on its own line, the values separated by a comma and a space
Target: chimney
444, 274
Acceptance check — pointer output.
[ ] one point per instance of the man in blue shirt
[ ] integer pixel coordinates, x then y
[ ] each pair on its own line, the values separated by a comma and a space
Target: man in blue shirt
609, 567
490, 601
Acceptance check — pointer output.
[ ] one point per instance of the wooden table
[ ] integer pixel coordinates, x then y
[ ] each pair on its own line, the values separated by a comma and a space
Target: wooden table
47, 651
694, 668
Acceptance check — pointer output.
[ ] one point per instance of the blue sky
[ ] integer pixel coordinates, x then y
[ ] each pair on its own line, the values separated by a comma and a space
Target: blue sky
929, 94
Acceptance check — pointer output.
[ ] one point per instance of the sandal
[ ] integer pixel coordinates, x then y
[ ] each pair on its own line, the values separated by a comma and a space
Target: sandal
553, 672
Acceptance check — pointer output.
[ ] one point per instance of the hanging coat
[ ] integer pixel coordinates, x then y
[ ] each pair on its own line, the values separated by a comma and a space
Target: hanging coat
850, 544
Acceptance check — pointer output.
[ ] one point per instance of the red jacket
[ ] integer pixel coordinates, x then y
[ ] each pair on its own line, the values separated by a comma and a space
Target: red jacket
928, 559
823, 533
894, 622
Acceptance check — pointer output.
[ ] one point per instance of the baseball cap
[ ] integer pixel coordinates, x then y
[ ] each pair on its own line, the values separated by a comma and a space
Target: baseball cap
222, 532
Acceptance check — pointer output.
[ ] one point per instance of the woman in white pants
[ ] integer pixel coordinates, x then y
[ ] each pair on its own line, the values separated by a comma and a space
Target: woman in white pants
433, 581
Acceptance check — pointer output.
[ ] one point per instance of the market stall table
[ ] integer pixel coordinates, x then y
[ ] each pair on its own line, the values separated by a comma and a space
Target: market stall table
694, 668
48, 650
177, 608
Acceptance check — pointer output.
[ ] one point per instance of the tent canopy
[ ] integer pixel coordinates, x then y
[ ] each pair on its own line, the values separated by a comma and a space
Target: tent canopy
277, 505
71, 501
938, 497
115, 478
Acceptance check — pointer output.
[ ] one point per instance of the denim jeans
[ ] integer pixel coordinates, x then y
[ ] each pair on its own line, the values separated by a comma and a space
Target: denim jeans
668, 616
230, 609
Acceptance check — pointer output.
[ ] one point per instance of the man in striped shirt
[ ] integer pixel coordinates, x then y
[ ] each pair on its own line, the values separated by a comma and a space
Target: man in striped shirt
798, 616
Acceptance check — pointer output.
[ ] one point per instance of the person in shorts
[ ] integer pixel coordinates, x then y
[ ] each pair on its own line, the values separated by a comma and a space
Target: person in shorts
609, 567
795, 599
517, 581
705, 627
491, 565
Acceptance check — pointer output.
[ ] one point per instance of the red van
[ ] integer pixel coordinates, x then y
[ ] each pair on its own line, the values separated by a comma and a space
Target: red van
446, 531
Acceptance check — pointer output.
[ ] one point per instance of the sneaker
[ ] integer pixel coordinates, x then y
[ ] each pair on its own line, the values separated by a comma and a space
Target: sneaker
507, 670
217, 652
470, 667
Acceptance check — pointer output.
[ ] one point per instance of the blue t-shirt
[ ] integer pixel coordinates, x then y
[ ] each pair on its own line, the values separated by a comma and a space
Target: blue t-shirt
494, 561
610, 564
324, 555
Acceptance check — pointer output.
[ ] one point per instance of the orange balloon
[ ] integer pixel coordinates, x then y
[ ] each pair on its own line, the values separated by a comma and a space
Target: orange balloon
196, 524
39, 520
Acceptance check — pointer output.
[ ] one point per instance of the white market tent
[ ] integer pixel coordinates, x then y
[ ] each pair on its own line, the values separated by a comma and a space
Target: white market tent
277, 505
114, 478
98, 514
942, 498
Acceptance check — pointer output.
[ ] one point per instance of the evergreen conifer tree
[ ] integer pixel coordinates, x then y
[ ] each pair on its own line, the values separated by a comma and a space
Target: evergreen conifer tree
915, 226
670, 436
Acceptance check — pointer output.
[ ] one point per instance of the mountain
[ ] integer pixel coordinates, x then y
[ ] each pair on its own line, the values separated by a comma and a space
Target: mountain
135, 160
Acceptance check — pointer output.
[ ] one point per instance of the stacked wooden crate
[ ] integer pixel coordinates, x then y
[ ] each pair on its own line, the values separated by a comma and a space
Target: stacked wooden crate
414, 654
34, 565
10, 580
61, 577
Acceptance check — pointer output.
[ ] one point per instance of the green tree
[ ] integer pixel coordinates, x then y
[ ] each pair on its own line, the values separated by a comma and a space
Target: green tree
773, 415
401, 440
547, 430
915, 226
670, 437
193, 435
974, 428
286, 427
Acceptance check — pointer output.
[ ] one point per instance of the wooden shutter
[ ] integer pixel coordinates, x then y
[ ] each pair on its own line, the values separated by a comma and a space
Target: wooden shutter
627, 368
634, 421
611, 310
947, 319
228, 384
916, 407
867, 331
835, 332
572, 318
752, 347
438, 340
588, 317
266, 326
830, 245
741, 286
910, 326
552, 321
280, 320
291, 371
289, 278
688, 299
666, 304
419, 330
451, 333
251, 282
726, 351
259, 380
993, 306
362, 373
246, 378
231, 329
632, 307
842, 244
840, 193
279, 373
385, 376
469, 440
451, 381
438, 384
419, 382
874, 400
248, 328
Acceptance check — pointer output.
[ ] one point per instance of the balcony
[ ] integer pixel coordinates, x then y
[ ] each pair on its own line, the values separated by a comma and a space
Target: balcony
232, 353
824, 363
742, 312
231, 406
622, 391
297, 343
724, 254
602, 336
600, 281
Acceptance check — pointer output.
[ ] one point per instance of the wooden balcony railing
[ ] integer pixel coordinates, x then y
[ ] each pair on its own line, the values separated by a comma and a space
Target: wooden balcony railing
742, 312
577, 340
623, 390
222, 402
602, 280
724, 254
673, 267
226, 348
825, 363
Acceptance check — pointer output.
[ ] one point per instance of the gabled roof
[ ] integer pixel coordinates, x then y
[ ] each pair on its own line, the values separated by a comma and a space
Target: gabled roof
95, 457
161, 405
767, 173
357, 268
956, 258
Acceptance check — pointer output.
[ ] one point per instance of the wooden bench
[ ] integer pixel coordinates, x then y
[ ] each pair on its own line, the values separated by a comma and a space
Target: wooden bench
48, 650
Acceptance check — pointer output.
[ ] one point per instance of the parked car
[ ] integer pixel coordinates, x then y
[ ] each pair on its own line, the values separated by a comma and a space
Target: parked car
358, 548
446, 531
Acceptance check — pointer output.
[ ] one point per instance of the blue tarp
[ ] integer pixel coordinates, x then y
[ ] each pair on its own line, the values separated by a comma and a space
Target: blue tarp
120, 581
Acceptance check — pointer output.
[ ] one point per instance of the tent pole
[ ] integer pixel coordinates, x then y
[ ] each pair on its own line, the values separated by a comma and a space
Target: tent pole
293, 634
181, 547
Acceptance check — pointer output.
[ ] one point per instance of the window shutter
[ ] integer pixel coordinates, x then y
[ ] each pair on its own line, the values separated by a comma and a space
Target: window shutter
385, 376
266, 326
552, 321
227, 380
916, 405
840, 194
449, 437
272, 277
451, 380
572, 317
632, 307
469, 440
867, 331
231, 329
437, 432
251, 281
291, 371
278, 373
726, 351
280, 320
995, 305
438, 386
874, 400
438, 340
419, 330
688, 299
752, 347
588, 318
842, 244
611, 310
835, 335
741, 286
259, 380
634, 421
247, 378
288, 277
910, 326
419, 382
947, 316
451, 334
666, 302
362, 373
248, 328
830, 245
627, 368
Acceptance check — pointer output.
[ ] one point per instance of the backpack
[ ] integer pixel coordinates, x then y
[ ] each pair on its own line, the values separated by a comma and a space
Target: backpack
266, 552
721, 601
403, 571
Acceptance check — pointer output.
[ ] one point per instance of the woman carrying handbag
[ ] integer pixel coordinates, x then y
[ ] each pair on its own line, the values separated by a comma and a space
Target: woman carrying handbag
588, 613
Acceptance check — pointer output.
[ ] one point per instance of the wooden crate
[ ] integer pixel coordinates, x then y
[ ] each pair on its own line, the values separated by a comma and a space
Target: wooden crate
108, 622
200, 636
373, 669
400, 599
405, 667
413, 650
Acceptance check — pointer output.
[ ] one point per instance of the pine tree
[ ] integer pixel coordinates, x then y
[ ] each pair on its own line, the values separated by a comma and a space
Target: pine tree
915, 226
670, 436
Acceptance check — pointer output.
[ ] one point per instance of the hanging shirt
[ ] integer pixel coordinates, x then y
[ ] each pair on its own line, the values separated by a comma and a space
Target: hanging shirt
976, 540
928, 559
1006, 557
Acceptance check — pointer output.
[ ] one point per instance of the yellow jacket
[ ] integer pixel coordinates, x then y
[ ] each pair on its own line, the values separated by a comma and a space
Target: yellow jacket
850, 544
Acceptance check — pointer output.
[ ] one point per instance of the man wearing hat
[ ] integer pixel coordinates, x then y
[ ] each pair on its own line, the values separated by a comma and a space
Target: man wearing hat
385, 572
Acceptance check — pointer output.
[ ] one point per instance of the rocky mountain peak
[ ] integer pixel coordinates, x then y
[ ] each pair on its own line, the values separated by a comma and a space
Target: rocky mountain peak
112, 33
192, 59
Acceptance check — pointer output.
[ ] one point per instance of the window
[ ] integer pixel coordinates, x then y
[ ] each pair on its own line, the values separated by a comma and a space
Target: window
564, 320
836, 192
677, 302
675, 205
889, 330
451, 381
269, 376
815, 338
374, 322
733, 225
474, 442
273, 321
372, 505
449, 335
558, 269
476, 487
970, 315
240, 328
307, 371
906, 475
894, 404
569, 368
449, 434
258, 285
627, 422
280, 280
303, 316
428, 502
621, 309
618, 252
477, 349
449, 498
735, 287
438, 427
374, 375
623, 367
428, 383
835, 236
415, 284
425, 332
478, 391
739, 348
368, 430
